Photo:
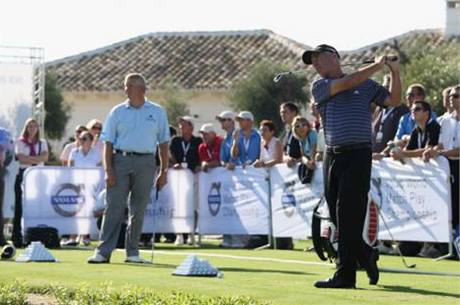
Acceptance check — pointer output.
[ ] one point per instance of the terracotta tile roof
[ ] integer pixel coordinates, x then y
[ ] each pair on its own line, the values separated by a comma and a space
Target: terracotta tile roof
207, 60
196, 60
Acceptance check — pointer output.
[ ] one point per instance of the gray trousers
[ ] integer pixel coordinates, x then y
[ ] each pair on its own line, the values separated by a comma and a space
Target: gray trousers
134, 176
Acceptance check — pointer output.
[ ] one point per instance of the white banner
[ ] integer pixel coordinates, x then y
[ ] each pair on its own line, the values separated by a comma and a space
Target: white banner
293, 202
61, 197
414, 198
233, 202
175, 207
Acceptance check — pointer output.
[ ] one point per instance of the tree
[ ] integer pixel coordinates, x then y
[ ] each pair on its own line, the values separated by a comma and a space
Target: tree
57, 112
435, 69
259, 94
172, 99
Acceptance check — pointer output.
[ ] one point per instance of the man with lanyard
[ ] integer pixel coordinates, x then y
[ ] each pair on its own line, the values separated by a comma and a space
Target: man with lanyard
227, 122
131, 134
423, 137
291, 146
246, 141
209, 149
344, 103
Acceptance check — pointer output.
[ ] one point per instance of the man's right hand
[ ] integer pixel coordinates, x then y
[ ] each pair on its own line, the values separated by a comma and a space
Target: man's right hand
110, 179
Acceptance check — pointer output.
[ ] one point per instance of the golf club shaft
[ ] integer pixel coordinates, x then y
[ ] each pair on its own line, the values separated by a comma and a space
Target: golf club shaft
394, 242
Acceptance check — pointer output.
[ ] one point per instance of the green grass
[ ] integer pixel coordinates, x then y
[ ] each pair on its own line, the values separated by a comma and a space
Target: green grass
265, 281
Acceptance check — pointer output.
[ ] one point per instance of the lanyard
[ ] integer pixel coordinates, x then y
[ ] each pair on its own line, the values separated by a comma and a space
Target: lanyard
288, 144
185, 149
420, 138
385, 115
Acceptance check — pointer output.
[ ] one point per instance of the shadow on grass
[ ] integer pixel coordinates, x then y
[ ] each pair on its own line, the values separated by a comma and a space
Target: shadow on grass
234, 269
153, 266
408, 289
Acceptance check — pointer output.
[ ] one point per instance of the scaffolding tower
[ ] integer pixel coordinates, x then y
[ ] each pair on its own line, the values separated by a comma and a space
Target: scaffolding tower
35, 57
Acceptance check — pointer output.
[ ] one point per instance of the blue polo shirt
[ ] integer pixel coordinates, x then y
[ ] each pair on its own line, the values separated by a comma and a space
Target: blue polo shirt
226, 147
407, 124
249, 150
136, 129
346, 116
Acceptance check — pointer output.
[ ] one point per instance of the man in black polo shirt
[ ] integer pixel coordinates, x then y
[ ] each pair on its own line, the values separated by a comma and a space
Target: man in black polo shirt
291, 146
425, 135
344, 103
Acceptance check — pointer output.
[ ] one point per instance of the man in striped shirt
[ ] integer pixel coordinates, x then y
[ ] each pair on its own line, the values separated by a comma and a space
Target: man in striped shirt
344, 103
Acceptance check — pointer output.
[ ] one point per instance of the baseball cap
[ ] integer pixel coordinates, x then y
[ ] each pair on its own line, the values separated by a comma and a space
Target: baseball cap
245, 115
185, 118
306, 57
227, 114
208, 127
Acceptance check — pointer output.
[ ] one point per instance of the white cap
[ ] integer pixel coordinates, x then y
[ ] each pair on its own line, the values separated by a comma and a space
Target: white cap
245, 115
227, 114
185, 118
208, 127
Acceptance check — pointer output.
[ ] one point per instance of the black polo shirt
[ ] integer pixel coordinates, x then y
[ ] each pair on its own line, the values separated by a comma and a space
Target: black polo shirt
192, 157
420, 139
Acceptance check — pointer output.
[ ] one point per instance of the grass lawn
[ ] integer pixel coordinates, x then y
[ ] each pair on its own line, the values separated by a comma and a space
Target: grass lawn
277, 277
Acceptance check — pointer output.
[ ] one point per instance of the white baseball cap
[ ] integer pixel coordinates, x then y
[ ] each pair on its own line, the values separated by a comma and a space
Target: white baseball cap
227, 114
245, 115
208, 127
185, 118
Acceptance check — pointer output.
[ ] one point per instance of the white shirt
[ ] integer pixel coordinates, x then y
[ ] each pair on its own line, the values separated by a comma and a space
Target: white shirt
450, 133
268, 153
92, 158
66, 151
21, 148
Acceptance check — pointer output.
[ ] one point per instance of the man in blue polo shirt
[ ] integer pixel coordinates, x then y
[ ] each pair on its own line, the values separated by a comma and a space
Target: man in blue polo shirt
131, 133
246, 141
344, 104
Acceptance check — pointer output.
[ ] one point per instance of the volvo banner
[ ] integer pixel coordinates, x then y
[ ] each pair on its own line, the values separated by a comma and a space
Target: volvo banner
234, 202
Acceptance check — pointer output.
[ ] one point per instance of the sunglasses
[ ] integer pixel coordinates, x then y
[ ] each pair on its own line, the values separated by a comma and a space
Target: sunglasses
301, 125
225, 120
417, 109
85, 139
97, 127
455, 95
79, 131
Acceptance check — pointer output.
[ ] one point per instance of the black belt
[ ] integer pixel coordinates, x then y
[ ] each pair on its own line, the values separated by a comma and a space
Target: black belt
130, 153
338, 149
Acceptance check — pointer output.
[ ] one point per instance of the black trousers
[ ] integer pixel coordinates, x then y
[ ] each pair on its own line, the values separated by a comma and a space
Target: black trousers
454, 171
17, 230
346, 185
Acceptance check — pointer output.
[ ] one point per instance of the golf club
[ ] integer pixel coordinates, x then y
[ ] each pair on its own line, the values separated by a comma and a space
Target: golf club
278, 77
393, 241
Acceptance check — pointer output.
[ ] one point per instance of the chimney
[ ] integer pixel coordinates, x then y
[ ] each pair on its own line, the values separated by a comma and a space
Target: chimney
452, 18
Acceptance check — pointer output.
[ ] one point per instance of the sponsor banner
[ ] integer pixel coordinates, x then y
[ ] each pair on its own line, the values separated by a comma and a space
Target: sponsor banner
61, 197
174, 210
414, 199
233, 202
293, 202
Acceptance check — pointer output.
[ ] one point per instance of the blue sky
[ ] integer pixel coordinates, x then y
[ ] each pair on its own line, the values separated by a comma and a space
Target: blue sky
69, 27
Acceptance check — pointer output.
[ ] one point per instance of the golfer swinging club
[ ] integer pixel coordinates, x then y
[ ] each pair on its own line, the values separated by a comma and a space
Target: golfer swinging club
344, 103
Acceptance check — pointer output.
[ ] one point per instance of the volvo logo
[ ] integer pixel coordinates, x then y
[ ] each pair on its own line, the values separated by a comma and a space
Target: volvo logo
288, 200
68, 199
214, 199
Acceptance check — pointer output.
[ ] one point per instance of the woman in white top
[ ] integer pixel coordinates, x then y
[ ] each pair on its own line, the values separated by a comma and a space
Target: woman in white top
30, 150
271, 149
83, 156
70, 146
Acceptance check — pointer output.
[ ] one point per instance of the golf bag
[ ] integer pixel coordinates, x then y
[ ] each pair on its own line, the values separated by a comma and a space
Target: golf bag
326, 236
48, 236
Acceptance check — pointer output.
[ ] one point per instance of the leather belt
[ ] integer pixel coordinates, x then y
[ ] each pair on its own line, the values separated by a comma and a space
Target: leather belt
338, 149
130, 153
